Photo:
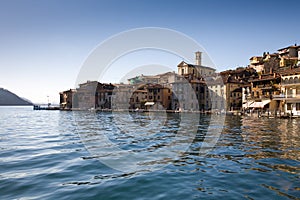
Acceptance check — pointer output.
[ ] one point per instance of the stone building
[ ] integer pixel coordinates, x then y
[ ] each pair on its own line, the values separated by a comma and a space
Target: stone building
93, 95
189, 94
270, 85
85, 97
216, 93
121, 96
163, 79
150, 95
227, 88
190, 91
66, 99
104, 93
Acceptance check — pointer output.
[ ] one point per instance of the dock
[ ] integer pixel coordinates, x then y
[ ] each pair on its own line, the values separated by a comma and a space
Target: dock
40, 107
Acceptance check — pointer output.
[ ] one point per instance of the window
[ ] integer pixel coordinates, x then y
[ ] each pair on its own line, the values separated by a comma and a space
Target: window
297, 106
169, 97
284, 81
158, 97
289, 106
298, 91
182, 71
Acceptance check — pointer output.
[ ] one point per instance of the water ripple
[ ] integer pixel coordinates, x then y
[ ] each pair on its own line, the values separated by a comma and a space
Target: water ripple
43, 156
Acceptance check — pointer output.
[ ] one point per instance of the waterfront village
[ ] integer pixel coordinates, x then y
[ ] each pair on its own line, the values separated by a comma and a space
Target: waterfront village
269, 85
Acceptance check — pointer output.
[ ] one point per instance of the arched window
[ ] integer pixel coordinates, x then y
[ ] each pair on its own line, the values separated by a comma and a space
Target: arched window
284, 81
296, 80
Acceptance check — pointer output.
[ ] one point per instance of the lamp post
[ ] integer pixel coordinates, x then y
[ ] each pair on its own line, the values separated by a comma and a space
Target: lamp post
48, 101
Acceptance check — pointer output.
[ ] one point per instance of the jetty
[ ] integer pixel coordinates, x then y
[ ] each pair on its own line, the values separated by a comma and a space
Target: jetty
42, 107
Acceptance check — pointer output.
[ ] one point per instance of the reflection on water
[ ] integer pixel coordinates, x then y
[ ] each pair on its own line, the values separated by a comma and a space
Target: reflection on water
48, 155
267, 138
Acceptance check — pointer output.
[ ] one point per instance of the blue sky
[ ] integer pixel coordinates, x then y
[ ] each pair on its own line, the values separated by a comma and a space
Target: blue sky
44, 43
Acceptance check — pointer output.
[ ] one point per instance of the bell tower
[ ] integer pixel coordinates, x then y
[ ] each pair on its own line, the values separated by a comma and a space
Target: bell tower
198, 57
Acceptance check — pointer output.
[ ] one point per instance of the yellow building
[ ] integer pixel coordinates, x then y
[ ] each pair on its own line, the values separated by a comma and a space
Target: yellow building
288, 56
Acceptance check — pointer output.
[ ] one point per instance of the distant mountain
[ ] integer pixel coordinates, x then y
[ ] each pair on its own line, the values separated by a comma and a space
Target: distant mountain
8, 98
27, 100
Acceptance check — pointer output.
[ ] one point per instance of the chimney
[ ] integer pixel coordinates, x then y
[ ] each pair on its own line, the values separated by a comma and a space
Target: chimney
198, 58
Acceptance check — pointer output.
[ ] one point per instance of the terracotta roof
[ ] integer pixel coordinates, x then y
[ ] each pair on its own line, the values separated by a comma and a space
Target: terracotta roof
255, 57
266, 77
273, 54
192, 65
290, 71
290, 58
197, 81
292, 46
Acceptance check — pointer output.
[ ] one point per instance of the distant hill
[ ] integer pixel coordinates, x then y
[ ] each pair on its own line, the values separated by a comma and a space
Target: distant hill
8, 98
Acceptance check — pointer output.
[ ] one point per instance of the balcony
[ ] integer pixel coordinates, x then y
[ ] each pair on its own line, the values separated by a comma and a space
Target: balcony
260, 97
283, 96
267, 86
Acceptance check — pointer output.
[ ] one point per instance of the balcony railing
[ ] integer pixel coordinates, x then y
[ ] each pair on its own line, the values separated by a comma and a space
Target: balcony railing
283, 96
261, 97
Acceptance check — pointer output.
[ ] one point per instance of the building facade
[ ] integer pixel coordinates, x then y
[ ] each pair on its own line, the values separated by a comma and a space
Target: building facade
66, 99
151, 96
289, 97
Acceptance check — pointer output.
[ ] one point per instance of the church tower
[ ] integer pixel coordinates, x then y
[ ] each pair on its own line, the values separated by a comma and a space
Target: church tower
198, 58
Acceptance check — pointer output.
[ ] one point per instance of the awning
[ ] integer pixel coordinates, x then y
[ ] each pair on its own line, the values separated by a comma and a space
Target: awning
256, 105
260, 104
149, 103
247, 104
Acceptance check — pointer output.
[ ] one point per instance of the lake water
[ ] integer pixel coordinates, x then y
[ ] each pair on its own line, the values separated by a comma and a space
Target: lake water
85, 155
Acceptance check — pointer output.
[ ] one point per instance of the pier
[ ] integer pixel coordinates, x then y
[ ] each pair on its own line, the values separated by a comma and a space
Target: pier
48, 107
